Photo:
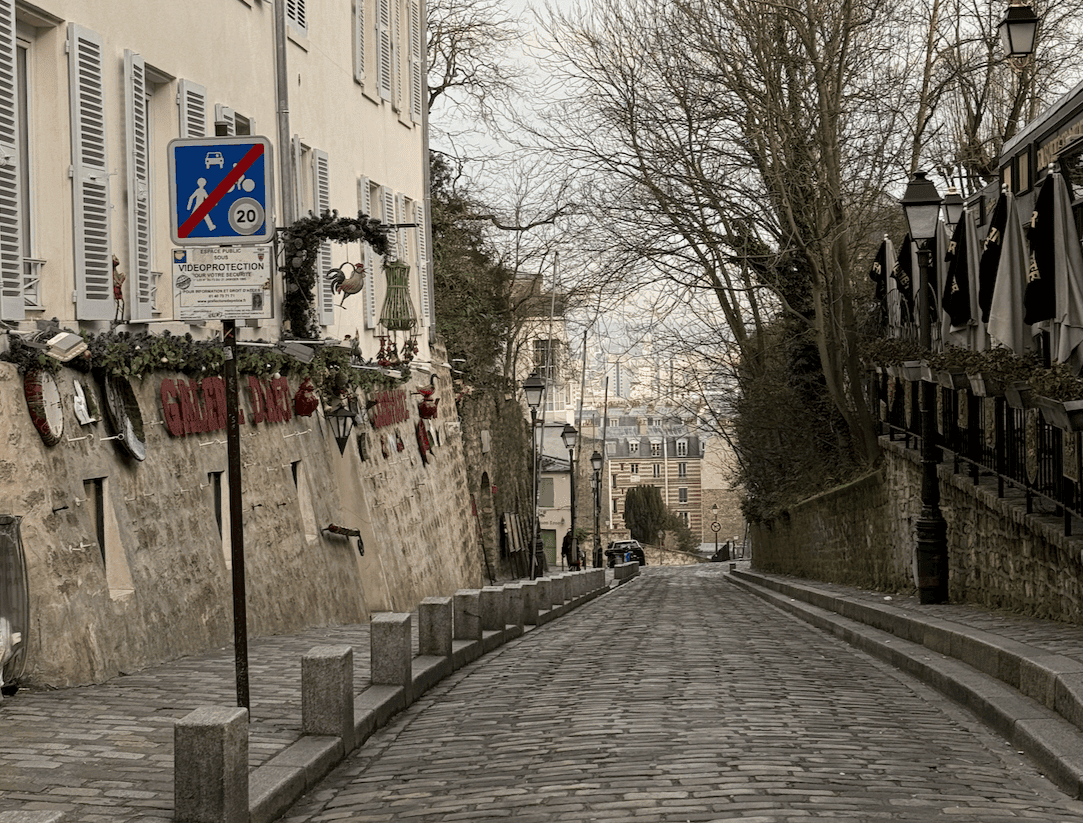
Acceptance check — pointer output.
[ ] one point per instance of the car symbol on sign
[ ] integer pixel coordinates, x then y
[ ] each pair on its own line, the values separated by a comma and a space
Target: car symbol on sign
214, 158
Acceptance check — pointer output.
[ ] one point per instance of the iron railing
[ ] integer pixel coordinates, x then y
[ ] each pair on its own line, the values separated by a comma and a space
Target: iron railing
988, 437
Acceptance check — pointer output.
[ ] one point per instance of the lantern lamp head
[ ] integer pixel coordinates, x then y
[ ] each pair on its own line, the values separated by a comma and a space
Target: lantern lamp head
568, 435
1018, 30
533, 388
921, 204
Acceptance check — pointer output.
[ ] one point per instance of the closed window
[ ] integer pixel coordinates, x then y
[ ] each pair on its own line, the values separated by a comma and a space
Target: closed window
682, 470
657, 468
682, 448
656, 448
545, 492
682, 495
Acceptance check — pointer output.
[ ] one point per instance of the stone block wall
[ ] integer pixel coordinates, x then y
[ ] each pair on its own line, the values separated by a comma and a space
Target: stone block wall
863, 534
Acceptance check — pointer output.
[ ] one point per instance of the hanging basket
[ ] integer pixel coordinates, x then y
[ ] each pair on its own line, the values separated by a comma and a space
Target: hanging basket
398, 312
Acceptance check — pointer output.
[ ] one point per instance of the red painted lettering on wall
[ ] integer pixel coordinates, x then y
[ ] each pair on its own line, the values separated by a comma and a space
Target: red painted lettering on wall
199, 406
391, 408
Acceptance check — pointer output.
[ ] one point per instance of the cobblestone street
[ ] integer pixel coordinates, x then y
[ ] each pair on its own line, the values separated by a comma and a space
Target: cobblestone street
681, 698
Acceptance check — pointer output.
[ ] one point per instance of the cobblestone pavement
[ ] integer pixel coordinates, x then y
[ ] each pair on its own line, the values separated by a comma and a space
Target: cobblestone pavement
680, 698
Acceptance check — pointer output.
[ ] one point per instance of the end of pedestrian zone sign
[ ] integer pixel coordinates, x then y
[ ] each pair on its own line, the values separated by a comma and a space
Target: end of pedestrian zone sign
221, 191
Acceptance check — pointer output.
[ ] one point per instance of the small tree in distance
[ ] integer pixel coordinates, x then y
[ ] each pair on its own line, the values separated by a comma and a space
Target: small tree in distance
646, 516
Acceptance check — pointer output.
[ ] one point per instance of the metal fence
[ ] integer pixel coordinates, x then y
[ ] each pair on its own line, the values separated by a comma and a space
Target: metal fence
989, 437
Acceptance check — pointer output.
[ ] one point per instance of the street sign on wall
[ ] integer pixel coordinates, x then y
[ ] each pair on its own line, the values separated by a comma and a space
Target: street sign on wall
222, 283
220, 191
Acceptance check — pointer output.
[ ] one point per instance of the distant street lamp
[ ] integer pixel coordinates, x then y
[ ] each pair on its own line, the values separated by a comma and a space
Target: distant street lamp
534, 389
716, 527
953, 208
569, 435
596, 464
921, 204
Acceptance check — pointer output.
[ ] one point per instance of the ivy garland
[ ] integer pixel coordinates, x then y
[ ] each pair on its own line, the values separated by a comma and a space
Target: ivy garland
135, 355
301, 246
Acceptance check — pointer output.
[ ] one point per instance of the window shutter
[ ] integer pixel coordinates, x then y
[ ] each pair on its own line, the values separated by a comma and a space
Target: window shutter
383, 43
192, 100
12, 304
364, 205
297, 14
402, 237
417, 83
90, 176
424, 273
325, 292
140, 302
387, 203
359, 41
224, 116
396, 55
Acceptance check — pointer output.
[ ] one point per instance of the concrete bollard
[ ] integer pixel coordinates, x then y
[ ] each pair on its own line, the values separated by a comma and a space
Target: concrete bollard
558, 589
210, 766
530, 602
491, 606
513, 604
392, 650
32, 817
467, 621
434, 626
327, 693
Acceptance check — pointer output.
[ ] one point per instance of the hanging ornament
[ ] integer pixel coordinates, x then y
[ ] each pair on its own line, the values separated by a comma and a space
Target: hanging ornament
423, 441
306, 401
398, 311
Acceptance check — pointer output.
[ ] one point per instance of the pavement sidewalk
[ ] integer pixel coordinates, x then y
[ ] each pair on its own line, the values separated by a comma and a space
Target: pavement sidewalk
104, 753
1022, 676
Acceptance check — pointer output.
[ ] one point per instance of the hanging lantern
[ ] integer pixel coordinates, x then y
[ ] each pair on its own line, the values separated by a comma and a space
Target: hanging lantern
398, 311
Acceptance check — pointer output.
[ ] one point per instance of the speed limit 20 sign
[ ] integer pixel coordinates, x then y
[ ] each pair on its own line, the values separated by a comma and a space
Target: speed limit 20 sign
221, 191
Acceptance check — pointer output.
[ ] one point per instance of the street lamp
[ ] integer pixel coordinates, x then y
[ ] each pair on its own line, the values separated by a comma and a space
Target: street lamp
569, 435
596, 464
534, 388
921, 204
716, 527
953, 208
342, 420
1017, 31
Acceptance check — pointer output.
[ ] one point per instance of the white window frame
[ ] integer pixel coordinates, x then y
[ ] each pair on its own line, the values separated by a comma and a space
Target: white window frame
682, 448
297, 16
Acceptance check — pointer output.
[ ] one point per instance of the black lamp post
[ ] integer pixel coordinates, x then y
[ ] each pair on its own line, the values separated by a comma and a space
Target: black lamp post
921, 203
569, 435
716, 528
596, 464
1018, 30
953, 208
342, 420
534, 389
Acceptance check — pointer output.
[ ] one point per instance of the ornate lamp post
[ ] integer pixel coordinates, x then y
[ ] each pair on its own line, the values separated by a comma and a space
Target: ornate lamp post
596, 464
569, 435
716, 527
953, 208
921, 203
534, 389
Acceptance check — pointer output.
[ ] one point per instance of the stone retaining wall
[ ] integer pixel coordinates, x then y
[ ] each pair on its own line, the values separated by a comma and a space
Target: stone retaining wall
863, 534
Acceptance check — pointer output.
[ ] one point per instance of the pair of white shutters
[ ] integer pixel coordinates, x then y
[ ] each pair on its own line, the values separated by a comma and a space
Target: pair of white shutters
387, 29
12, 306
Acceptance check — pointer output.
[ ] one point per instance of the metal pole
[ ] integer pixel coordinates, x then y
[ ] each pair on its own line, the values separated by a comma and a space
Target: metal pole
931, 557
236, 524
282, 113
597, 532
534, 534
571, 489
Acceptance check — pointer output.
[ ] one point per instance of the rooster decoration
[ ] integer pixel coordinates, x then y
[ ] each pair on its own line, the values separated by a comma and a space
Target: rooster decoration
347, 284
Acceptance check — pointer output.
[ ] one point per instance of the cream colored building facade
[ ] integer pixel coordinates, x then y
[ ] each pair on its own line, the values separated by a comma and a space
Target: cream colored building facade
91, 94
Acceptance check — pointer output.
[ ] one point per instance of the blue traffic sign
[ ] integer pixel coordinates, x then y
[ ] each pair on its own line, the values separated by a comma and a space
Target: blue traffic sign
221, 191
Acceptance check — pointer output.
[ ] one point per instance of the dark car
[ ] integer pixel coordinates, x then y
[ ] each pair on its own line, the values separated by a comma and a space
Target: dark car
620, 551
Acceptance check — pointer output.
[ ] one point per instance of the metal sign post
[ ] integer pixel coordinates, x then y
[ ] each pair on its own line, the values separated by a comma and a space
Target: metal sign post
236, 524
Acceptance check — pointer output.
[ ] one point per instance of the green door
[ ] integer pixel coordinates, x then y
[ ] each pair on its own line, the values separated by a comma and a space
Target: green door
549, 540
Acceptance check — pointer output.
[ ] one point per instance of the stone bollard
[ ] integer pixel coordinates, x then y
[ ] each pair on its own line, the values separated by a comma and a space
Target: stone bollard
491, 603
513, 604
434, 626
32, 817
467, 621
327, 693
558, 589
392, 650
545, 594
210, 766
530, 602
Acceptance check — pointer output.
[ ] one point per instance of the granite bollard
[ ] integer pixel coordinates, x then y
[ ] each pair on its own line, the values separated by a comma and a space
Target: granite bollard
392, 651
435, 616
210, 766
513, 604
327, 701
530, 602
467, 620
491, 603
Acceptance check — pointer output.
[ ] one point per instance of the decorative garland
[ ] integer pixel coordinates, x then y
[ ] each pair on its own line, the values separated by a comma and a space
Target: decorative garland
334, 370
301, 248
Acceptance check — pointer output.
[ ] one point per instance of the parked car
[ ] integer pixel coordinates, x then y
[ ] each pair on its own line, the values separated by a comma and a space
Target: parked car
620, 551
